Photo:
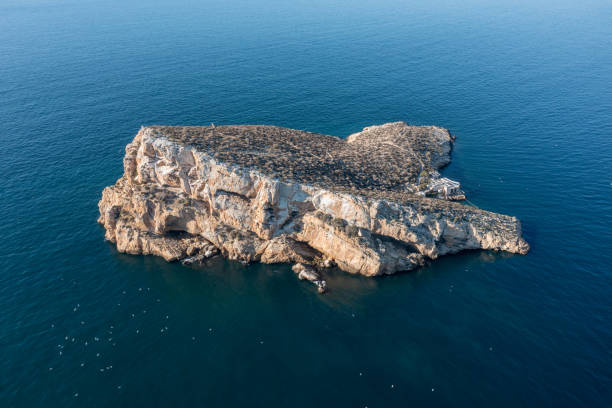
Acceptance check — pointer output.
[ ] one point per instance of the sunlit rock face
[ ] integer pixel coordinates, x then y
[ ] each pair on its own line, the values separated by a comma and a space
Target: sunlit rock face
275, 195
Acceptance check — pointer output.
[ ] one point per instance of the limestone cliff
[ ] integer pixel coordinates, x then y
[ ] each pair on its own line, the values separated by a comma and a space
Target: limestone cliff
270, 194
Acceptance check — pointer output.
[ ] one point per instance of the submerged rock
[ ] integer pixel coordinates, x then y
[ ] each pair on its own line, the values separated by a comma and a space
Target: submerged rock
270, 194
310, 274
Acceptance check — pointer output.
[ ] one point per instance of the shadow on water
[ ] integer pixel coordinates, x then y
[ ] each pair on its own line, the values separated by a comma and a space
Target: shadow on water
219, 278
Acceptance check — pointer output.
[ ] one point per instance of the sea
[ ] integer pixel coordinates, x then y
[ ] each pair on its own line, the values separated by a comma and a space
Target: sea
526, 88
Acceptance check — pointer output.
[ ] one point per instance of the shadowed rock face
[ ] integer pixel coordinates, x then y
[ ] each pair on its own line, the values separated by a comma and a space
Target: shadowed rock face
270, 194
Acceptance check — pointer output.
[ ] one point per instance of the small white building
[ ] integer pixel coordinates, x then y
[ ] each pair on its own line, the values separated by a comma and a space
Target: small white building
446, 187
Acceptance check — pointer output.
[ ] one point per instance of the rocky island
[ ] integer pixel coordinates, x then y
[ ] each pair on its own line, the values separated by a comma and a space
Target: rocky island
374, 203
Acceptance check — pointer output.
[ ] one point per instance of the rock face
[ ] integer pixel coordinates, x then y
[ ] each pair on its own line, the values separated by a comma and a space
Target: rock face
270, 194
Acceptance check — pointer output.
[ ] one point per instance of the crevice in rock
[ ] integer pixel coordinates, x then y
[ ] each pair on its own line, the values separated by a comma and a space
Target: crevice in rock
389, 240
232, 194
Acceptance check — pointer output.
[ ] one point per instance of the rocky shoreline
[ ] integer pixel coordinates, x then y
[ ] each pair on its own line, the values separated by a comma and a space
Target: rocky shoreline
371, 204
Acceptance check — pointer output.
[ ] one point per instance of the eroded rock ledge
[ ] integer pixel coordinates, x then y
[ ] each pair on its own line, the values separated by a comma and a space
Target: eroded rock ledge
372, 204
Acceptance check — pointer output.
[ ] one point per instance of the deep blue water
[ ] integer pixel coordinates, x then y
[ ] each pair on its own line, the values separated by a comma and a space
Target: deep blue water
527, 90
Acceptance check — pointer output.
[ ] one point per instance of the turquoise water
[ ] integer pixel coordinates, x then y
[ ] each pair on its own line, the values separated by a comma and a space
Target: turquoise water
526, 88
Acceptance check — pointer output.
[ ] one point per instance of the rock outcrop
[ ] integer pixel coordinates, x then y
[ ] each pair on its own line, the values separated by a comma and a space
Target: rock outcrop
270, 194
310, 274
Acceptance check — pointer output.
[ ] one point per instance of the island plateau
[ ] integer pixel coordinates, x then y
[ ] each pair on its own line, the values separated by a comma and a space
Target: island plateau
371, 204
